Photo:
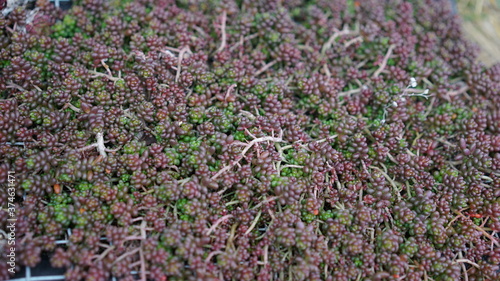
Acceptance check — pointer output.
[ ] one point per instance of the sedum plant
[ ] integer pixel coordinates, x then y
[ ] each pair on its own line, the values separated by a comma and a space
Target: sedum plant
250, 140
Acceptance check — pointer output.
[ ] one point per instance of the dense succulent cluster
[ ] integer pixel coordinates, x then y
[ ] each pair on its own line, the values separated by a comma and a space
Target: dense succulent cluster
250, 140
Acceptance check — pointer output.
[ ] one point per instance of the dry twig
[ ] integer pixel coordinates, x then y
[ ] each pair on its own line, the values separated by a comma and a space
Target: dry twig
179, 63
247, 147
100, 146
217, 222
108, 76
334, 36
493, 239
223, 31
265, 67
384, 62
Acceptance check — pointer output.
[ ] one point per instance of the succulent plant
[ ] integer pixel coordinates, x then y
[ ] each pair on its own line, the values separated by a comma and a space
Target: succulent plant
250, 140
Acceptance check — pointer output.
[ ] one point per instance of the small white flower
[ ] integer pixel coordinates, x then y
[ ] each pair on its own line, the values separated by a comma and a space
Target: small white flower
426, 92
413, 83
394, 104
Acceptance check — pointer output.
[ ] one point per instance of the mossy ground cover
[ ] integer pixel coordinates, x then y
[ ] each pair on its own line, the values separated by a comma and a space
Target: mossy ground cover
250, 140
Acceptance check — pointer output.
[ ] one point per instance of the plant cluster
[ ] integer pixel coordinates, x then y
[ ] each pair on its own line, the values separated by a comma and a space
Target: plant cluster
250, 140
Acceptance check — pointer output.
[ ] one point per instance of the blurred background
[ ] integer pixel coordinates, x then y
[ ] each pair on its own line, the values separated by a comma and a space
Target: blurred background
481, 24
